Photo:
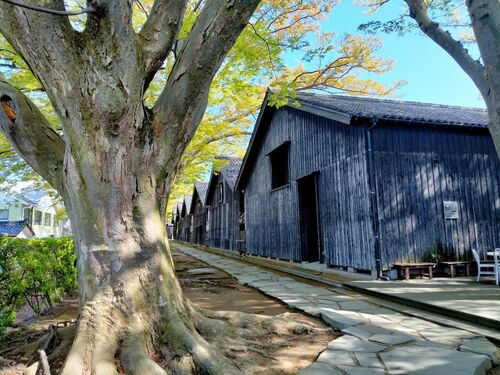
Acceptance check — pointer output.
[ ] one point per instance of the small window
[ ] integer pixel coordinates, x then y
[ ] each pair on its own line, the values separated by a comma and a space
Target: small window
209, 218
38, 218
220, 192
198, 208
279, 166
47, 219
4, 214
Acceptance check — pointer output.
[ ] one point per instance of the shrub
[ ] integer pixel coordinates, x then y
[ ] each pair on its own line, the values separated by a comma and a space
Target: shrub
34, 271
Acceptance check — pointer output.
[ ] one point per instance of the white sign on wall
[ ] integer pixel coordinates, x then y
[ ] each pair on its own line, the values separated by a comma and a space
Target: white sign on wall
450, 209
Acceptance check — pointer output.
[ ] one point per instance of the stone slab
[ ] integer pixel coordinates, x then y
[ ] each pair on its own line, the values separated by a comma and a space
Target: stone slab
336, 357
480, 345
355, 305
391, 339
355, 344
201, 271
368, 360
411, 359
361, 370
339, 321
320, 368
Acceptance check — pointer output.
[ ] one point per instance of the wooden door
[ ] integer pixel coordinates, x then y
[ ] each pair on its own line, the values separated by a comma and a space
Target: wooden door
309, 219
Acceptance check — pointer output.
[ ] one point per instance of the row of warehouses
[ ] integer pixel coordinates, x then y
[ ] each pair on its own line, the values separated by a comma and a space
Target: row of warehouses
355, 183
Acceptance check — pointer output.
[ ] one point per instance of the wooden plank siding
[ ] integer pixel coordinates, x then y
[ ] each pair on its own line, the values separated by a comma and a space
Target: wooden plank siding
186, 221
199, 220
223, 216
338, 153
417, 168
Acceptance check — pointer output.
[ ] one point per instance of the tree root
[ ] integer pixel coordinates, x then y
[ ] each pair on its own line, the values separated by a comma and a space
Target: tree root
200, 342
44, 363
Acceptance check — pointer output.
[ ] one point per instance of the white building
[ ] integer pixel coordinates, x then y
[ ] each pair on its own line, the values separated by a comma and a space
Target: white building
36, 206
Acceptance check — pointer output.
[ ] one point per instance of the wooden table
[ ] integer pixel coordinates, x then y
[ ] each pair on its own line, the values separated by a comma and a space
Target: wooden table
407, 266
452, 266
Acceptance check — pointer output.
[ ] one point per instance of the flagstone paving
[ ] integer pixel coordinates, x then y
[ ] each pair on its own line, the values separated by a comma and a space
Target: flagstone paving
376, 340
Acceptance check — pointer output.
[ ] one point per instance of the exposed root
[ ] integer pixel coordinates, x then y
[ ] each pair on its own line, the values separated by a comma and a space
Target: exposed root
135, 355
232, 331
223, 342
257, 325
126, 334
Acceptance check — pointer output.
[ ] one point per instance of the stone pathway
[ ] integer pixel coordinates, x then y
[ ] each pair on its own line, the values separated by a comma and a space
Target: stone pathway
459, 295
376, 340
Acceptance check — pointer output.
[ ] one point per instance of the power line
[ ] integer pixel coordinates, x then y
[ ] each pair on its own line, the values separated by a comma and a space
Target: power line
48, 10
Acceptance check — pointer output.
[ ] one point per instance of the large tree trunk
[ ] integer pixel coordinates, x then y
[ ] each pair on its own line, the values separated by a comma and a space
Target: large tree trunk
132, 307
485, 17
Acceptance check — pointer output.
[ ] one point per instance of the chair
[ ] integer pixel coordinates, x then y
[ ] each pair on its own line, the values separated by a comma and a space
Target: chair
495, 267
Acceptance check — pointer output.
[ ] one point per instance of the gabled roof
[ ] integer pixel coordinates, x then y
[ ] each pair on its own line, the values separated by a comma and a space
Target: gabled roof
13, 228
177, 210
186, 205
200, 190
229, 173
348, 109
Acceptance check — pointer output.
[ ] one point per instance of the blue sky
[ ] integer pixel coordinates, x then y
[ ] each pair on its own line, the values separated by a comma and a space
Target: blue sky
432, 75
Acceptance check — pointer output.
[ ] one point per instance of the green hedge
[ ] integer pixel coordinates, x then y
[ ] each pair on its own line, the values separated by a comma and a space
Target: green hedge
34, 271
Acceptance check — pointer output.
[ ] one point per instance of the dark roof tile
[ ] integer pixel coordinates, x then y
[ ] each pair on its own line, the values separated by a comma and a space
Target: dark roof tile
230, 171
188, 199
202, 189
13, 228
398, 110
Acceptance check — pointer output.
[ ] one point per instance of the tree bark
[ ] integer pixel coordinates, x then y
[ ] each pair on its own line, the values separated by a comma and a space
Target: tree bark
133, 309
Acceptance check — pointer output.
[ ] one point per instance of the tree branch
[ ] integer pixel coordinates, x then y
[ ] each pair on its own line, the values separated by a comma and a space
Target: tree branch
183, 101
159, 33
41, 40
31, 135
48, 10
475, 70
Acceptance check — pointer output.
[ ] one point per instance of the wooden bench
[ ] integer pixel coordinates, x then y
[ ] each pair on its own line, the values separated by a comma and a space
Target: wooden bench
452, 265
414, 266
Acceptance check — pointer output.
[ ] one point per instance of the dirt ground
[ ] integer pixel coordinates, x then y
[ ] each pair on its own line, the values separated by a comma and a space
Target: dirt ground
206, 287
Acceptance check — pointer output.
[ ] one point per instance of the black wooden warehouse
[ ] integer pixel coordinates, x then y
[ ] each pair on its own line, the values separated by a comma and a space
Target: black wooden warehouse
223, 207
199, 213
348, 181
185, 222
177, 220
